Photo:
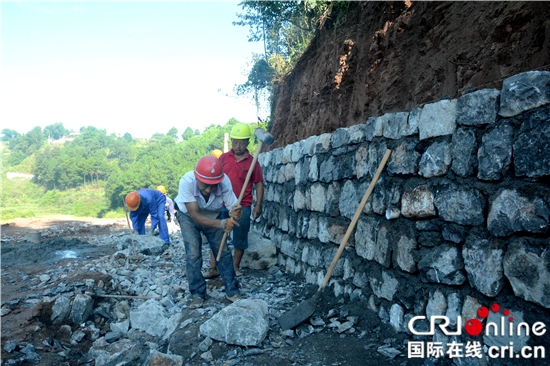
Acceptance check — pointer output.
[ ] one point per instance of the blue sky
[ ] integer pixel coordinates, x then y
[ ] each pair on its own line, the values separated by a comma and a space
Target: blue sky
138, 67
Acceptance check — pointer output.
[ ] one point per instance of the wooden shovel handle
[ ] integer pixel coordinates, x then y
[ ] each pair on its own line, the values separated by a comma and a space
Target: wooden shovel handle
248, 175
129, 227
355, 219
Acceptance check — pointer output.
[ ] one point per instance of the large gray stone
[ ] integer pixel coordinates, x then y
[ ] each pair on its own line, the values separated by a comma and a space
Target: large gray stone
376, 153
287, 154
412, 122
523, 92
532, 146
157, 358
454, 307
357, 133
350, 199
297, 151
383, 248
384, 286
289, 247
333, 200
313, 255
373, 128
332, 230
396, 317
277, 156
436, 160
442, 264
313, 174
464, 152
512, 212
61, 310
81, 309
123, 352
299, 199
344, 166
478, 108
483, 256
403, 160
301, 171
495, 153
461, 205
318, 197
437, 304
309, 145
527, 267
406, 246
243, 323
145, 244
438, 119
361, 159
289, 172
328, 256
339, 138
152, 318
366, 234
418, 203
327, 169
394, 125
260, 254
322, 144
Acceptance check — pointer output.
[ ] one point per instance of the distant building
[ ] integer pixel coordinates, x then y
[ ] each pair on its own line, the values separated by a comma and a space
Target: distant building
12, 175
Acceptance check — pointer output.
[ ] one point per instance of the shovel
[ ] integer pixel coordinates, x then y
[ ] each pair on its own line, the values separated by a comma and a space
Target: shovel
306, 308
136, 257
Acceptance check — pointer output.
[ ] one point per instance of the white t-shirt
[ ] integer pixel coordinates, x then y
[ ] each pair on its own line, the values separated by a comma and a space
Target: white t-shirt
189, 192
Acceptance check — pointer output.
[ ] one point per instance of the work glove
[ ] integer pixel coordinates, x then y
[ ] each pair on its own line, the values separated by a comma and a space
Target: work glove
228, 224
235, 212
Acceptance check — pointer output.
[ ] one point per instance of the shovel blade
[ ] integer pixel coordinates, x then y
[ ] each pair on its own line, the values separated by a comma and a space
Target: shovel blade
299, 314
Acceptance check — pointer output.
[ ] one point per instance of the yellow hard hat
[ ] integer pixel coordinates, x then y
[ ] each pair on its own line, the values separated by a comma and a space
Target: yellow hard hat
240, 131
217, 153
162, 189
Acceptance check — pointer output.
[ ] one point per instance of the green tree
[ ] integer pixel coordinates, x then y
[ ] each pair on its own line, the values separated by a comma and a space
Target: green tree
188, 133
173, 133
8, 134
55, 131
286, 29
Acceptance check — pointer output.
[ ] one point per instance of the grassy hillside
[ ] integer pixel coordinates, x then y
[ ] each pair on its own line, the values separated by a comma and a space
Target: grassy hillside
23, 198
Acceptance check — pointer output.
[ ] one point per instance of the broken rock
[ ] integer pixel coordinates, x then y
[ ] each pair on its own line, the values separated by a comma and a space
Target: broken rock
242, 323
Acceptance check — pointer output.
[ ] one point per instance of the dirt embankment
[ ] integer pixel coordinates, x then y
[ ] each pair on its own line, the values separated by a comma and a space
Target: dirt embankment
395, 56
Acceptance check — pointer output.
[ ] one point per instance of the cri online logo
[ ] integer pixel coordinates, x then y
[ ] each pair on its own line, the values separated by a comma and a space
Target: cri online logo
474, 327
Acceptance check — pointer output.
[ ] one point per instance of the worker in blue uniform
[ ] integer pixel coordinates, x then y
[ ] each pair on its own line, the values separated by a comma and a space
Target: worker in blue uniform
147, 202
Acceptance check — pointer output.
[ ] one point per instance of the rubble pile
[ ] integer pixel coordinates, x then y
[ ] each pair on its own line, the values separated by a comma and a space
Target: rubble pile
132, 310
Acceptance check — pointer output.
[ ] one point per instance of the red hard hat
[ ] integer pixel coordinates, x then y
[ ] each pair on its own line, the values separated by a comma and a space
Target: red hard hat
209, 170
133, 200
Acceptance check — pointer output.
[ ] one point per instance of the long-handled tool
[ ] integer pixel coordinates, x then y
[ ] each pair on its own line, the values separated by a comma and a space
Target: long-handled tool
306, 308
129, 227
264, 138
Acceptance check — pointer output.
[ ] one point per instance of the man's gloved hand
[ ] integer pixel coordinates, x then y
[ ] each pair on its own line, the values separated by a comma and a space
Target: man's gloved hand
228, 224
235, 212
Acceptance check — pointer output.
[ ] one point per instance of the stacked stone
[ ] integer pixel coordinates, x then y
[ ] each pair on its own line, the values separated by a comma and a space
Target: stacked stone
461, 209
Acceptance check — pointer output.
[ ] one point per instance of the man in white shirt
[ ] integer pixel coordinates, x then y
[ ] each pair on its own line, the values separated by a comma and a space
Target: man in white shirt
201, 196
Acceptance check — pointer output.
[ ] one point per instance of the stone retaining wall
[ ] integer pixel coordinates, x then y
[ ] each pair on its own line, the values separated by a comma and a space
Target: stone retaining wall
459, 218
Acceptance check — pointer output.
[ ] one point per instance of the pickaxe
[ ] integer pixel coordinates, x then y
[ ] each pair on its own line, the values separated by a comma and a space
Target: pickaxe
264, 138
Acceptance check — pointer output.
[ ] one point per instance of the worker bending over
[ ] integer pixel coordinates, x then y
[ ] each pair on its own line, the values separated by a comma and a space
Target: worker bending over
201, 196
147, 202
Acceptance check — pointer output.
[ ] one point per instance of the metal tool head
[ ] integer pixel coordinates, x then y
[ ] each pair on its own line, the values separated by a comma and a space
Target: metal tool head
264, 136
301, 313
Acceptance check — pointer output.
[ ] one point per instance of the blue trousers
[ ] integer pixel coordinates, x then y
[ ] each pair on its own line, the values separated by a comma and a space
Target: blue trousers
240, 233
139, 224
193, 253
